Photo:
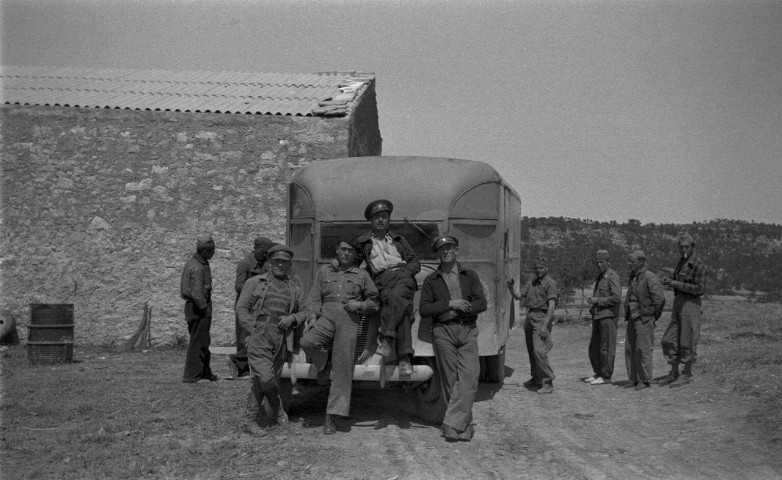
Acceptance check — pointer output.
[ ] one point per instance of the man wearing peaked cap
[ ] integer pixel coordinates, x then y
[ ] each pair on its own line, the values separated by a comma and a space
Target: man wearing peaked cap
539, 295
392, 264
604, 307
196, 291
644, 304
680, 340
253, 264
269, 307
453, 297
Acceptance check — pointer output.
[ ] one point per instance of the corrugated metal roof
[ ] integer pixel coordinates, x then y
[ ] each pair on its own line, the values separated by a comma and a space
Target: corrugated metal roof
304, 94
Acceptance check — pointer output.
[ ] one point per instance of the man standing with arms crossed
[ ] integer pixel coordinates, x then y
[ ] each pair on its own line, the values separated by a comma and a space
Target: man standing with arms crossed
342, 292
643, 306
604, 302
540, 297
680, 340
196, 290
453, 297
392, 264
269, 306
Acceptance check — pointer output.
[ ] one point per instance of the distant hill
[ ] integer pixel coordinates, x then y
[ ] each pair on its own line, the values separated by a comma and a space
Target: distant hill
743, 257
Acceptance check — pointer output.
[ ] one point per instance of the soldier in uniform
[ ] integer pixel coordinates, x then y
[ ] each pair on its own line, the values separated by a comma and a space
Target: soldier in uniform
342, 292
196, 291
453, 297
392, 264
680, 340
250, 266
270, 305
643, 306
604, 306
539, 295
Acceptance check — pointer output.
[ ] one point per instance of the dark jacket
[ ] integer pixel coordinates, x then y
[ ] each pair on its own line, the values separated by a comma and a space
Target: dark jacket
689, 278
412, 264
196, 284
435, 295
608, 293
649, 293
247, 268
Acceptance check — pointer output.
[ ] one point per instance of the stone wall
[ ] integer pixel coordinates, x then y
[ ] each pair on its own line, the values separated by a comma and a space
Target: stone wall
101, 207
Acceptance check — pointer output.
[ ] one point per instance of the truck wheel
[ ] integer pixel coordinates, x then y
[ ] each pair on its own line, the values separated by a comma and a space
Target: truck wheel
430, 401
494, 367
285, 387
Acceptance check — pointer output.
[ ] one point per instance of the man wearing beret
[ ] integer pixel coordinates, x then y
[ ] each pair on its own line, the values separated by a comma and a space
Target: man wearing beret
270, 305
250, 266
604, 306
196, 291
644, 304
453, 297
392, 264
680, 340
342, 292
540, 297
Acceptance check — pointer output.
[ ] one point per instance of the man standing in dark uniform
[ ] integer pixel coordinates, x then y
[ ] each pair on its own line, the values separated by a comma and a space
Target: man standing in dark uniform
680, 340
342, 292
392, 264
453, 297
643, 306
250, 266
196, 291
269, 306
540, 297
604, 302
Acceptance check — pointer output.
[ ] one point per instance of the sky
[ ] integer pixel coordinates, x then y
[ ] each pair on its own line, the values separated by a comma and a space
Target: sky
659, 111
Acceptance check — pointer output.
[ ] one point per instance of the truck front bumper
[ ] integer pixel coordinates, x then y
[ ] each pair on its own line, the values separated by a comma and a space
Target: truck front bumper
361, 373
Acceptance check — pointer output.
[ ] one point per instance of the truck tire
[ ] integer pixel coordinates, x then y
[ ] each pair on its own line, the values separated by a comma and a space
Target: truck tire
430, 402
493, 367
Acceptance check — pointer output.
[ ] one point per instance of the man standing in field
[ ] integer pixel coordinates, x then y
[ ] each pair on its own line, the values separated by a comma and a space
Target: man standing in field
269, 306
540, 297
342, 292
392, 264
196, 291
680, 340
250, 266
604, 306
643, 306
453, 297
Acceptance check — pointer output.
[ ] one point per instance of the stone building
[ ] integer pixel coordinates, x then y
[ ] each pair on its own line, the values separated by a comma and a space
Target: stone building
109, 175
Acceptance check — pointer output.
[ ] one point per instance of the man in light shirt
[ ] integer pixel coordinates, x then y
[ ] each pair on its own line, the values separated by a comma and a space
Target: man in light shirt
392, 264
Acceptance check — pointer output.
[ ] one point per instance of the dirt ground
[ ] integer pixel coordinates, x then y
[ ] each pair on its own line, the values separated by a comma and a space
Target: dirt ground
133, 418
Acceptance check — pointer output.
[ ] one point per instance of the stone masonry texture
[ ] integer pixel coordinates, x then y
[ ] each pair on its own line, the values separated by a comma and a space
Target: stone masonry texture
101, 207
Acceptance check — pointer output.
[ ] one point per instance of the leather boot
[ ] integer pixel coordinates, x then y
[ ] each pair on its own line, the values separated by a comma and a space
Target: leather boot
329, 427
684, 379
250, 424
273, 397
547, 387
670, 377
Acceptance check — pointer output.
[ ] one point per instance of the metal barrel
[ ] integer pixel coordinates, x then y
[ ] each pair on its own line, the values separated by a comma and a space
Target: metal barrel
50, 338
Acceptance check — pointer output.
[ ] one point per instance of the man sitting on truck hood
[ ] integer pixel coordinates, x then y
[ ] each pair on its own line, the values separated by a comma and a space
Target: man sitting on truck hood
392, 264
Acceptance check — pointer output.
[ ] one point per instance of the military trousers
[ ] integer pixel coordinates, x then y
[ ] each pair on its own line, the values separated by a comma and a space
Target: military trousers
602, 346
456, 355
680, 340
197, 358
537, 347
266, 352
639, 345
239, 359
340, 333
397, 289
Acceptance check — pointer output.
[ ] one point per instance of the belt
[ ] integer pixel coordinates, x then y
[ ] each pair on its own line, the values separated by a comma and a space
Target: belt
459, 321
540, 310
392, 269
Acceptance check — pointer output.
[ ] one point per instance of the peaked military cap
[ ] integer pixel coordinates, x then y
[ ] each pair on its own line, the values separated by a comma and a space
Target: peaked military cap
280, 251
444, 240
378, 206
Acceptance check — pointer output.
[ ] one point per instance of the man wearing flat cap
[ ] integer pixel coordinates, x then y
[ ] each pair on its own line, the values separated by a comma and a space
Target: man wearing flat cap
196, 291
604, 307
539, 295
680, 340
270, 305
644, 304
453, 297
342, 292
253, 264
392, 264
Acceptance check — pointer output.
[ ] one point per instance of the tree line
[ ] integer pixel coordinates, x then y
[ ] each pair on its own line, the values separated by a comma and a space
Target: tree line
743, 258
